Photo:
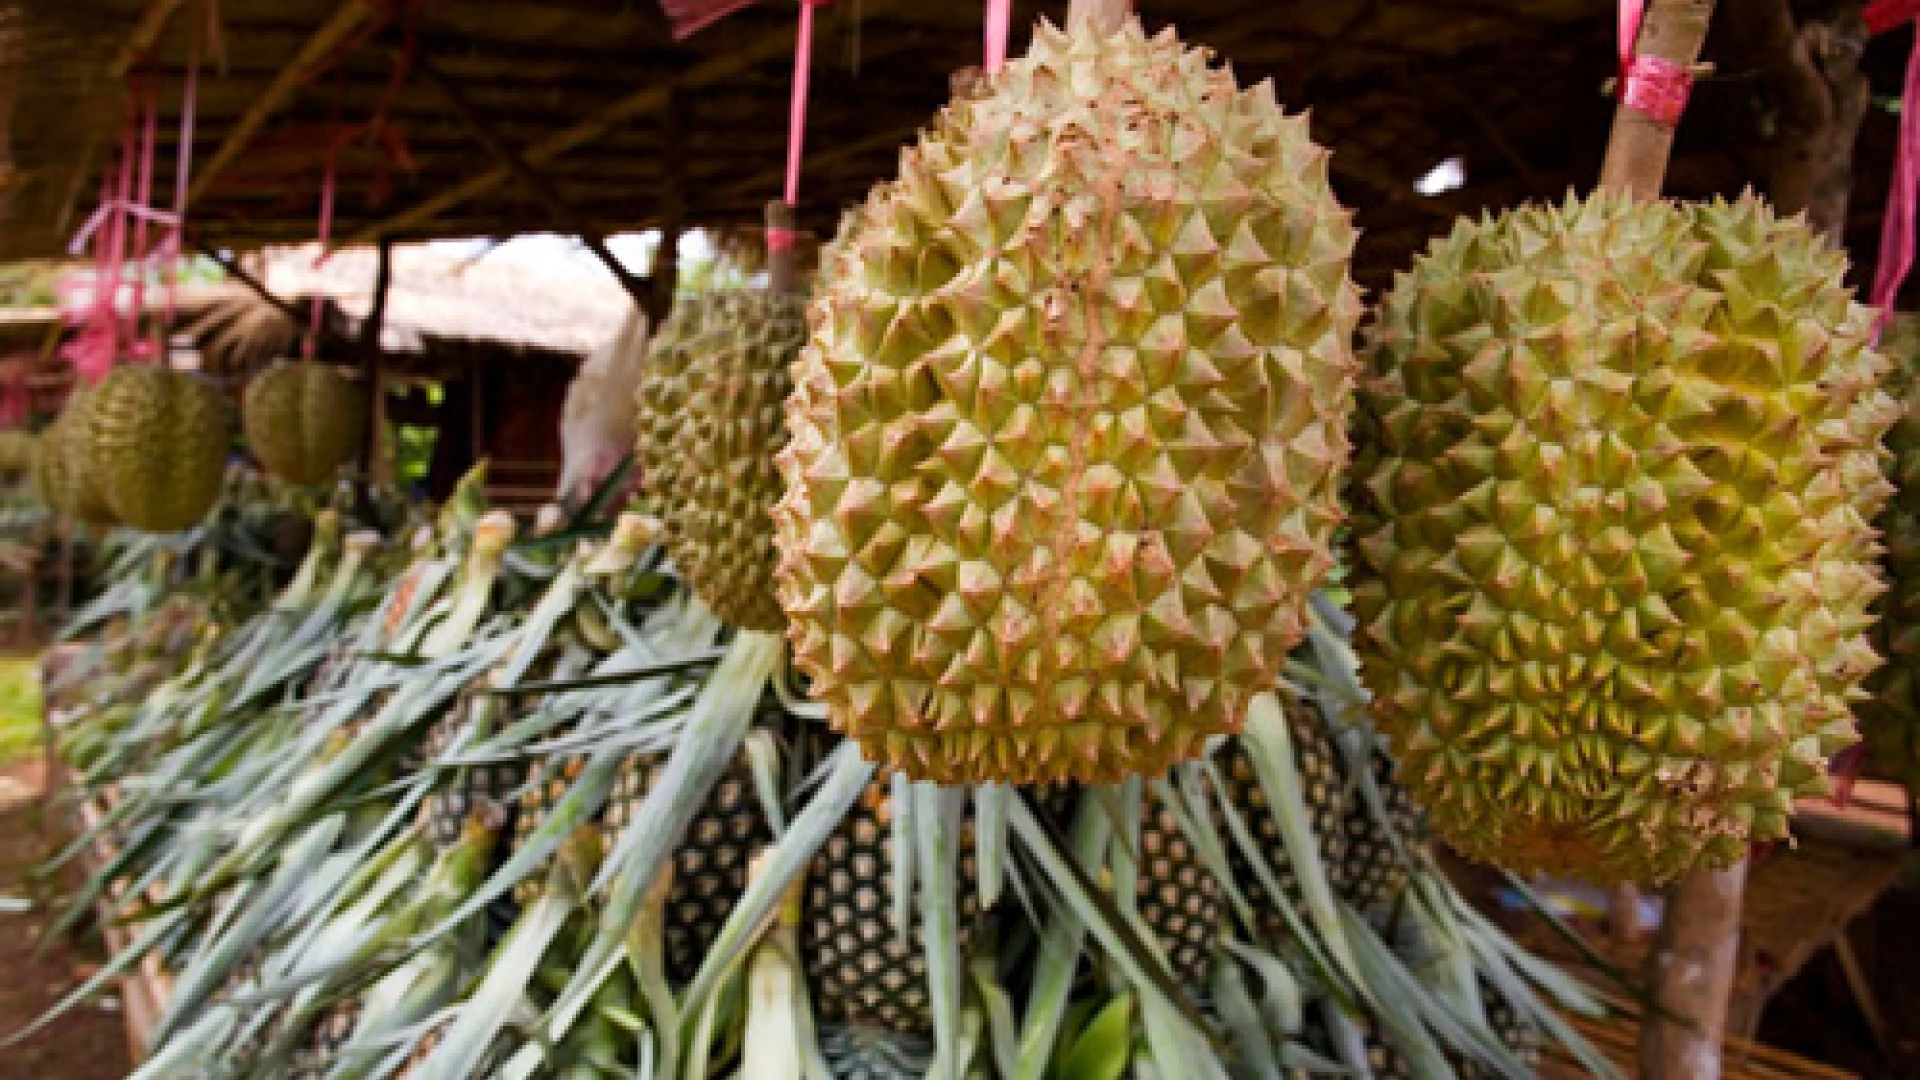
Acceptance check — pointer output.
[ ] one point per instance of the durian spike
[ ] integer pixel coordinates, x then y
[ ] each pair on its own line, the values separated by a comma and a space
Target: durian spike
1104, 16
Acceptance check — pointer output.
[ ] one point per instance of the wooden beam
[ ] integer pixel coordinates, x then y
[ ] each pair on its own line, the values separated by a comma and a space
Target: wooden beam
318, 49
648, 99
372, 467
541, 188
145, 33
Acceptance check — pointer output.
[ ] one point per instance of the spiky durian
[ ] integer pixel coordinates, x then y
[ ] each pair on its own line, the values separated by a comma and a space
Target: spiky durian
1891, 721
708, 472
64, 475
19, 453
1069, 430
157, 440
303, 420
1620, 464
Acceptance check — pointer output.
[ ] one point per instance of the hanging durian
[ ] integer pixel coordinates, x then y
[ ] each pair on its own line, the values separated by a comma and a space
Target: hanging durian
157, 442
303, 420
1069, 432
1620, 464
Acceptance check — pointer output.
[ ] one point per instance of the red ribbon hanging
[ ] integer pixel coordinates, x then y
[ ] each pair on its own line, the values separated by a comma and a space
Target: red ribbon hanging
999, 25
1651, 85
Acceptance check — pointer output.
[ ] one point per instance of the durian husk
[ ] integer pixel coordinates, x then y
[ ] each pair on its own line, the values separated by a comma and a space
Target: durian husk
19, 453
1069, 431
65, 475
303, 421
1890, 722
157, 442
1620, 462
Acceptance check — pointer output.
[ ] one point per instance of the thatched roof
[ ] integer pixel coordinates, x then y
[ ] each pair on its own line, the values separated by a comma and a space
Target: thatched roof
436, 297
636, 130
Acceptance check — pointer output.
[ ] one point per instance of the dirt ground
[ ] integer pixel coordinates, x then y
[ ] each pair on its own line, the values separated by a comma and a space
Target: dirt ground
89, 1043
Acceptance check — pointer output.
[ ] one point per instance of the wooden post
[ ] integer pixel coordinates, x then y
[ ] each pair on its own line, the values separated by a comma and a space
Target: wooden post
372, 461
1105, 16
1690, 969
1640, 146
783, 271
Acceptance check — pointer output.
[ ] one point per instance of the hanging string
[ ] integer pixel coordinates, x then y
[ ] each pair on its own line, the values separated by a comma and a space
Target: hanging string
689, 17
999, 25
174, 248
1651, 85
784, 239
96, 347
1897, 225
139, 348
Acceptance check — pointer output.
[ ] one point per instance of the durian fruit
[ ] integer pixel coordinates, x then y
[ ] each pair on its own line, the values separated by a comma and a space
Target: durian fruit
708, 472
158, 441
64, 475
1891, 721
1069, 431
303, 420
1620, 463
662, 406
19, 453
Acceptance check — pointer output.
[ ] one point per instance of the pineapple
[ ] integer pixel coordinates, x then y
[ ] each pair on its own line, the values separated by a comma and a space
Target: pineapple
1177, 896
1317, 759
861, 972
1369, 874
548, 783
710, 866
316, 1055
484, 788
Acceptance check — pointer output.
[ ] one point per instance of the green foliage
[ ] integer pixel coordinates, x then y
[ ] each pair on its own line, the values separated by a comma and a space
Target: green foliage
19, 709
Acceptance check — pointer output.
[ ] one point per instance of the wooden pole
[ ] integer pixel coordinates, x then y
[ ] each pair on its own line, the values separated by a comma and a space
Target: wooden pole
783, 270
1690, 969
371, 361
1105, 16
145, 33
1640, 146
539, 186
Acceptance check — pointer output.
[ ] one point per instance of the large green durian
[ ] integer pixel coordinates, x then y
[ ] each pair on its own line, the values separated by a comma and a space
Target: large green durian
1620, 464
157, 443
19, 452
303, 421
710, 424
1069, 432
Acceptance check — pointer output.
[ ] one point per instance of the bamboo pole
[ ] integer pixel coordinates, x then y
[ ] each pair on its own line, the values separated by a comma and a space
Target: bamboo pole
1691, 967
145, 32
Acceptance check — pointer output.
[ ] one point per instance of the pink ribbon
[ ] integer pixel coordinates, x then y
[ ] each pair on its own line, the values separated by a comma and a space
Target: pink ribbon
689, 17
327, 186
797, 113
999, 24
1896, 230
1884, 15
1651, 85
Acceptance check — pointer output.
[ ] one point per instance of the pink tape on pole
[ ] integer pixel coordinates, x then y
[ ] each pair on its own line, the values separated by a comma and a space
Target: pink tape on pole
779, 239
1651, 85
1896, 230
999, 25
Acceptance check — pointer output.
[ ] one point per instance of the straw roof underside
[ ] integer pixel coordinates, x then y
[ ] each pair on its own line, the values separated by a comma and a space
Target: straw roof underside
695, 131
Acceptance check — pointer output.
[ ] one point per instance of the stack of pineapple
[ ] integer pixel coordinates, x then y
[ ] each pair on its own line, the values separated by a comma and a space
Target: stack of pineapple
962, 698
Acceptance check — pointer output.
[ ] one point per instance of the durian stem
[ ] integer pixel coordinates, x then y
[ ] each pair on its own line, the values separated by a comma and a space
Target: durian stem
1640, 146
1103, 16
1690, 971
